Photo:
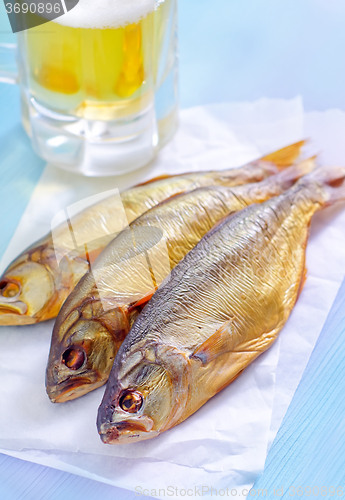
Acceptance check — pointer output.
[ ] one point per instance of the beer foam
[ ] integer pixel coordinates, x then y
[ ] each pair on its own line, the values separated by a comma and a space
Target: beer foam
107, 13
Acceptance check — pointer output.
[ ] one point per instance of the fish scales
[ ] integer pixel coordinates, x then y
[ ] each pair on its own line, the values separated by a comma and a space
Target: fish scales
42, 277
193, 218
224, 304
118, 286
209, 266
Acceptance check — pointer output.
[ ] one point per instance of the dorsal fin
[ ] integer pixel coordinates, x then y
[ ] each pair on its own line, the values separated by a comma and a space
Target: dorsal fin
154, 179
285, 156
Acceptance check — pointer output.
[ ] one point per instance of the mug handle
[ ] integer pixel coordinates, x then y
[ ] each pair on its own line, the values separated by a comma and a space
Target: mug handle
8, 63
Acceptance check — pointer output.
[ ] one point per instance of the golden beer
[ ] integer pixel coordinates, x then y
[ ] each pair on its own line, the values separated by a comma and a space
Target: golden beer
97, 73
103, 74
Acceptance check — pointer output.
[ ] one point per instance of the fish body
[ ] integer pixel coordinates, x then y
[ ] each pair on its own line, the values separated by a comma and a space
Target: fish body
36, 284
225, 304
128, 272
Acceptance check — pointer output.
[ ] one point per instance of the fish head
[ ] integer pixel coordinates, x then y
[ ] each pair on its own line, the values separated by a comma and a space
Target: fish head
26, 288
82, 353
145, 396
34, 286
81, 362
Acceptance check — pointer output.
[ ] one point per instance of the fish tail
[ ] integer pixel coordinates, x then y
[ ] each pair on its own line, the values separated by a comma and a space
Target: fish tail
282, 181
332, 181
286, 156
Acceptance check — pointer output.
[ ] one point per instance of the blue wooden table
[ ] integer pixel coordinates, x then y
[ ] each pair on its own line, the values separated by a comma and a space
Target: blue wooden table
229, 51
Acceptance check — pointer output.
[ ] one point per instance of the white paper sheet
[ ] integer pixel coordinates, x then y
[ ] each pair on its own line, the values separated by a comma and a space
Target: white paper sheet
225, 443
326, 269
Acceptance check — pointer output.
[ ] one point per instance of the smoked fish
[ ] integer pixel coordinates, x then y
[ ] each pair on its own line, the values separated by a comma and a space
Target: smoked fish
224, 305
36, 284
98, 314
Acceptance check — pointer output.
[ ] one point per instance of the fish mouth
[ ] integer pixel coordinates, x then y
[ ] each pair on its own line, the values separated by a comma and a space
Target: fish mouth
12, 310
25, 290
72, 388
127, 432
14, 313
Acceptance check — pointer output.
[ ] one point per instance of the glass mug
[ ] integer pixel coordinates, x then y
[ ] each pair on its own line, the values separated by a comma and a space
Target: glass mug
99, 84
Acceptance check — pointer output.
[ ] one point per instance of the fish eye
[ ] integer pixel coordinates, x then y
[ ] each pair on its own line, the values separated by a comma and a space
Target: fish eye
131, 401
9, 289
74, 358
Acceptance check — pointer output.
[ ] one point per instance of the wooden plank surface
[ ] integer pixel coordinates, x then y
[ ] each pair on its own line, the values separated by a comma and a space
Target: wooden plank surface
308, 452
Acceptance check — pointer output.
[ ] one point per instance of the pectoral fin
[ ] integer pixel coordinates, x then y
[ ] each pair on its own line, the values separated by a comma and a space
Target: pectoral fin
224, 340
143, 300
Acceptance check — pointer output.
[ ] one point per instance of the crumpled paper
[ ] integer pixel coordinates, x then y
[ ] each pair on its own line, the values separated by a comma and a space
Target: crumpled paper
325, 262
224, 444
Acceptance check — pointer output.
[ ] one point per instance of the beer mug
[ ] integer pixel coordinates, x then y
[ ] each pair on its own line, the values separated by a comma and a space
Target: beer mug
99, 84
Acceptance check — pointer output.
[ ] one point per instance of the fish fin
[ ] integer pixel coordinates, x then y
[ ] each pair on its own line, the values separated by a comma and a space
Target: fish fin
286, 178
332, 180
116, 321
301, 168
282, 158
336, 189
303, 282
222, 341
92, 256
285, 156
154, 179
142, 301
175, 195
231, 380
